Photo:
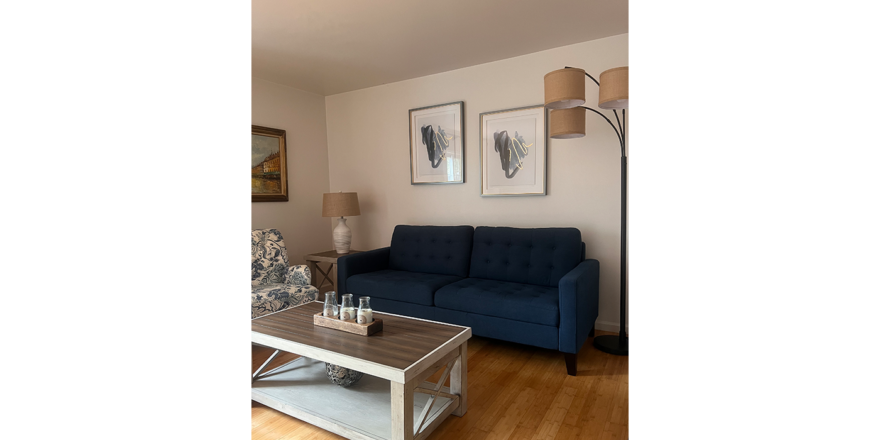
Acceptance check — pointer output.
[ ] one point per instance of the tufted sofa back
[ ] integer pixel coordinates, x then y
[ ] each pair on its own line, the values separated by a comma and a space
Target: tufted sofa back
443, 250
269, 262
531, 256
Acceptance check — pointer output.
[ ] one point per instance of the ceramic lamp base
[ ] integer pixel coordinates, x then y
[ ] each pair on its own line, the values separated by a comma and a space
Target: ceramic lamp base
342, 237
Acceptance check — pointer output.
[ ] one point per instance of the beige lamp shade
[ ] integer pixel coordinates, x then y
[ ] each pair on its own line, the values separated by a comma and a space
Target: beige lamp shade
614, 88
341, 204
568, 123
564, 88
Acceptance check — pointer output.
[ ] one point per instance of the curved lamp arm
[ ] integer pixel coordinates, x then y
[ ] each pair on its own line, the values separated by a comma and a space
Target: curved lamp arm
620, 135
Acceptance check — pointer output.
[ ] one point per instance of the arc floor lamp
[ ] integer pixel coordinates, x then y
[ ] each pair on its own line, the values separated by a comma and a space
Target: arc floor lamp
564, 94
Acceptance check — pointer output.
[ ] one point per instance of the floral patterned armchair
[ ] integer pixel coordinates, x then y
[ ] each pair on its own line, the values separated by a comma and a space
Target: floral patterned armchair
275, 285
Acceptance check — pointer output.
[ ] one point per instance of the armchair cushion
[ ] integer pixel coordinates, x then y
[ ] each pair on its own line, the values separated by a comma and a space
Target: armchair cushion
299, 275
268, 298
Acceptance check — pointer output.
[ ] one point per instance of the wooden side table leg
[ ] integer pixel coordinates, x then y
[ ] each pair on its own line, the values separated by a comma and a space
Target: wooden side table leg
313, 268
458, 380
402, 411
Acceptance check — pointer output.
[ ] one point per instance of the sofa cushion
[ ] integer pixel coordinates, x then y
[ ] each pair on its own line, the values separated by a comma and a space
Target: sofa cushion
444, 250
520, 302
411, 287
539, 256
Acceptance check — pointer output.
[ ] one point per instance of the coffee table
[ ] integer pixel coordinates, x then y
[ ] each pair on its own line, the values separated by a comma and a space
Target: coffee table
392, 401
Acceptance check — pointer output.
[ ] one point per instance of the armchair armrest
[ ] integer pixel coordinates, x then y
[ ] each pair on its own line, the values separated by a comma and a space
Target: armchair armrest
578, 305
299, 275
362, 262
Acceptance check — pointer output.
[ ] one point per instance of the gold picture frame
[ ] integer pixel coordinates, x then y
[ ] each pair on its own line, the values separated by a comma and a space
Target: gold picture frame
268, 164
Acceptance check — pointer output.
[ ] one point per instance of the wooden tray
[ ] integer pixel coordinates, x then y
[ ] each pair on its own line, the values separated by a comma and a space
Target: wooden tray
349, 325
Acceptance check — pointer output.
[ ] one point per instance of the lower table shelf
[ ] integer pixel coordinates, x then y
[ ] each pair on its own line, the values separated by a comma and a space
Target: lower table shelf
363, 411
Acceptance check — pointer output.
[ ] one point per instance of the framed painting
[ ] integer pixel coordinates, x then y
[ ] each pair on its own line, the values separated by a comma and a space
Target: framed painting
513, 152
436, 144
268, 164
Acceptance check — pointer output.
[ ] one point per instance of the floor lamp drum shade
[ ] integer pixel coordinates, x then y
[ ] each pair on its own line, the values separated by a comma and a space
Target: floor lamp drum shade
341, 205
568, 123
564, 88
614, 88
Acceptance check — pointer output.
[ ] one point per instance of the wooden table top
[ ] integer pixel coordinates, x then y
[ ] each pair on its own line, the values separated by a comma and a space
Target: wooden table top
327, 257
401, 343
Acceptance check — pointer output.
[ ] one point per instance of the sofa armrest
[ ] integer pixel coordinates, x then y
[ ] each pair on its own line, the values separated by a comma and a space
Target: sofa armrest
299, 275
578, 305
361, 262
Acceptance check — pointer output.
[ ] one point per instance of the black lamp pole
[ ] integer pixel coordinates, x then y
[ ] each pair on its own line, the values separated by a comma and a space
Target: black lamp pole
619, 344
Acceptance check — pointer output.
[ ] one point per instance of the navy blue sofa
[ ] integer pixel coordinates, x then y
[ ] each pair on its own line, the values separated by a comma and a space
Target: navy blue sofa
531, 286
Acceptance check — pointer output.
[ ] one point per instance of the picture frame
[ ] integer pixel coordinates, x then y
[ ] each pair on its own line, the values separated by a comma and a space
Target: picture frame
268, 164
436, 144
513, 152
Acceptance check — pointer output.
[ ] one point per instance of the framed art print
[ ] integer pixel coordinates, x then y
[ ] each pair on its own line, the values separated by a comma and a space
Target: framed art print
436, 144
513, 152
268, 164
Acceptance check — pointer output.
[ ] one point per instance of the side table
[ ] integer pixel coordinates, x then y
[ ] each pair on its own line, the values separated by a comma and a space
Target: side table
328, 277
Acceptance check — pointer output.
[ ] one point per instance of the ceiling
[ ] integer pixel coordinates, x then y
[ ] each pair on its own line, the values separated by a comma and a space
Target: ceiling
335, 46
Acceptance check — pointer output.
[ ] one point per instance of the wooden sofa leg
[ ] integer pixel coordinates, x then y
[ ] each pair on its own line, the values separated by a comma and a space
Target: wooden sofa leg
571, 363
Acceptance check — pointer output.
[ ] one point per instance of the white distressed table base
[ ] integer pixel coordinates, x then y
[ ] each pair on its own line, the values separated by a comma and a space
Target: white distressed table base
374, 408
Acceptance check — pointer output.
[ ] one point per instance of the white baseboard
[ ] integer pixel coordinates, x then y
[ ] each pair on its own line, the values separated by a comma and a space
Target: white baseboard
609, 326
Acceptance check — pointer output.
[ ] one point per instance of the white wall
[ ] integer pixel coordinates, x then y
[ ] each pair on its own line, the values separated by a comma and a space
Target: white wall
368, 143
302, 115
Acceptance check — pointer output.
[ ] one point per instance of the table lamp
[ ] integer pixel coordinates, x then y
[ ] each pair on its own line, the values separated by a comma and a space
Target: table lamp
341, 204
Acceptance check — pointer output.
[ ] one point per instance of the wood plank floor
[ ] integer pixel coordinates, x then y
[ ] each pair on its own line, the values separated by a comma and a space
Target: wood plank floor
514, 392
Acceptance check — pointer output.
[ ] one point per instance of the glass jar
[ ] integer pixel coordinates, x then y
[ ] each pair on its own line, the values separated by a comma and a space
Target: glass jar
365, 312
347, 312
331, 307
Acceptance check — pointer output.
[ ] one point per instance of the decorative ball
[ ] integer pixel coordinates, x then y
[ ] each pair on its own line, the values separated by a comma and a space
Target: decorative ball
344, 377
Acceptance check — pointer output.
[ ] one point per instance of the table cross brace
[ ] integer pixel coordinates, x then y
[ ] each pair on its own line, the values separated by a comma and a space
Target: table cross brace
433, 397
326, 278
260, 370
